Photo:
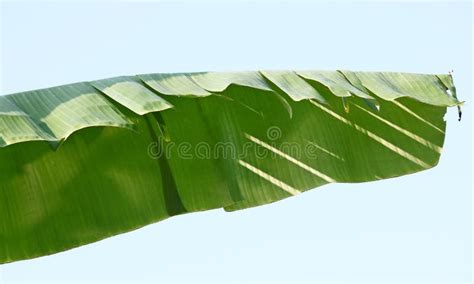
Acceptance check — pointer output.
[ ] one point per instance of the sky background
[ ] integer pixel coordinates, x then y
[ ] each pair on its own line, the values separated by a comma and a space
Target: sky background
416, 228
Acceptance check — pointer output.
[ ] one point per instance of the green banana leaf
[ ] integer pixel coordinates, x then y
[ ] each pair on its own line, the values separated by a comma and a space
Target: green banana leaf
86, 161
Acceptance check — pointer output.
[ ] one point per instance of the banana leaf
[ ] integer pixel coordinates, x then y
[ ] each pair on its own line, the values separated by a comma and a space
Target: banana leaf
89, 160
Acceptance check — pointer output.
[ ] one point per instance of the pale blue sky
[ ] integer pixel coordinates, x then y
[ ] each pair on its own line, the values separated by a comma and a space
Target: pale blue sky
416, 228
